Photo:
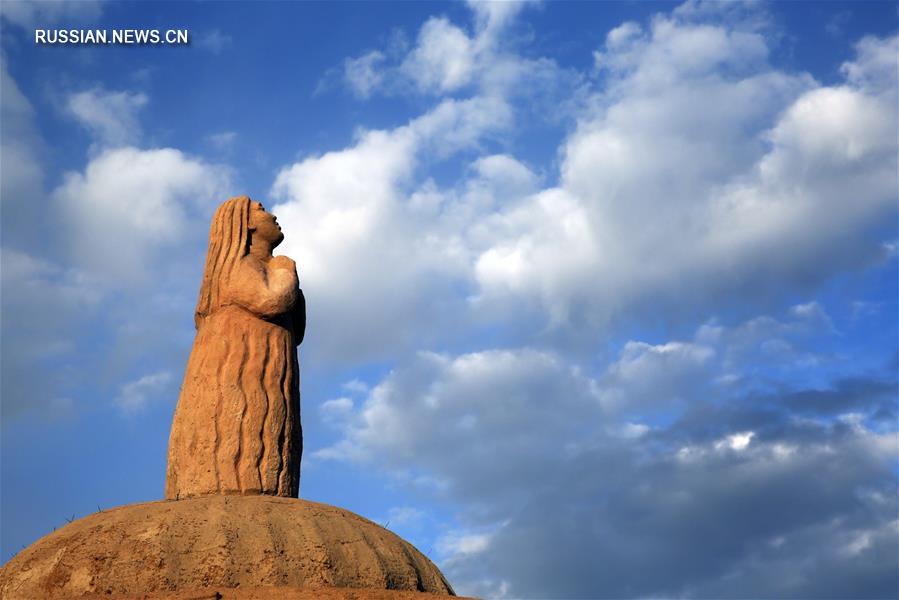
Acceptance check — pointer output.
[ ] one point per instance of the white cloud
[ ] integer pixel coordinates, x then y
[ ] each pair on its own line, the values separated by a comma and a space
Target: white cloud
697, 175
111, 117
336, 409
539, 248
448, 59
671, 201
223, 140
456, 544
828, 127
506, 178
444, 58
874, 69
355, 212
405, 515
736, 441
620, 37
491, 17
362, 74
30, 13
812, 314
355, 386
129, 203
134, 396
214, 41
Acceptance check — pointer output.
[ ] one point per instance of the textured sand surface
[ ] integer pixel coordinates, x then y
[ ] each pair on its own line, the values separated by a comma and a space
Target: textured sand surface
220, 543
281, 594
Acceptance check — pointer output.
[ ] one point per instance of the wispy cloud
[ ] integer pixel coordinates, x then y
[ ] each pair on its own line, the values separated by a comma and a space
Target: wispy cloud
223, 140
214, 41
110, 116
135, 395
31, 13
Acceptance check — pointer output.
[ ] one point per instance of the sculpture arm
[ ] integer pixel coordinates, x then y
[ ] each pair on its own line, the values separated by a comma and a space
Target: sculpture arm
266, 290
299, 318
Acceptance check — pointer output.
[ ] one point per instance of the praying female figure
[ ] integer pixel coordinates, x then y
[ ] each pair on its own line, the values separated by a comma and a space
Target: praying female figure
236, 428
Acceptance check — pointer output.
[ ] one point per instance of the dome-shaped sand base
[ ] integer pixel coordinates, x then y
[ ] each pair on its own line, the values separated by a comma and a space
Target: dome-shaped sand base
218, 543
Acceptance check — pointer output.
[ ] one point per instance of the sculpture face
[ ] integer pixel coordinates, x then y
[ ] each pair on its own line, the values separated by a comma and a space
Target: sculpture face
264, 225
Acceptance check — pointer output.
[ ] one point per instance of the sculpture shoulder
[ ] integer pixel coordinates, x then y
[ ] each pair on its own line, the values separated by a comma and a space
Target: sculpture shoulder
263, 288
251, 264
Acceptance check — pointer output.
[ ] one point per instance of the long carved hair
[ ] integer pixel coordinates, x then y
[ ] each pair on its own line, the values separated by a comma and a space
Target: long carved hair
229, 241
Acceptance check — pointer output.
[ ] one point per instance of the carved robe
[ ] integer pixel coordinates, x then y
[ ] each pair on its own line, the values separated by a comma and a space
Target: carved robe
237, 428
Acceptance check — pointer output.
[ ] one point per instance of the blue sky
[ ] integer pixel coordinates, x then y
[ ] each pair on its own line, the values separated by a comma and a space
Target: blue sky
602, 296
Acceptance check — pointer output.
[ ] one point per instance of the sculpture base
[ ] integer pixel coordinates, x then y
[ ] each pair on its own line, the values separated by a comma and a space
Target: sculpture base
218, 544
280, 593
277, 593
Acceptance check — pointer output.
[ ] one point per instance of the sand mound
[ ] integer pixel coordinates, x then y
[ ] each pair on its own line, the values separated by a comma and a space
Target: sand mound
219, 543
280, 593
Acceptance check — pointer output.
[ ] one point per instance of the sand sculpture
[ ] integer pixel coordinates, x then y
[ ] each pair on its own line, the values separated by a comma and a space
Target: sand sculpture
232, 526
237, 423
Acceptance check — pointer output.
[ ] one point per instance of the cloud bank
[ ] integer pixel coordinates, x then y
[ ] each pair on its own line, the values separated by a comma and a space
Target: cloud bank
698, 178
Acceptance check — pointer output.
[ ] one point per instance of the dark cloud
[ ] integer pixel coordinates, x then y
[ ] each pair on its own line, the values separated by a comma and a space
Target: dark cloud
805, 510
732, 494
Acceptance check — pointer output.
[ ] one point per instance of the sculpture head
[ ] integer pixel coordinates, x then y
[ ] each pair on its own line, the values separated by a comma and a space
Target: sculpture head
264, 226
235, 223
